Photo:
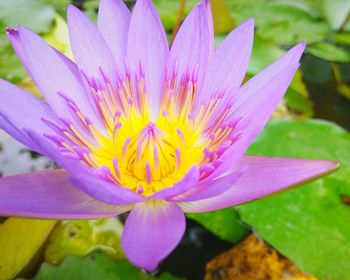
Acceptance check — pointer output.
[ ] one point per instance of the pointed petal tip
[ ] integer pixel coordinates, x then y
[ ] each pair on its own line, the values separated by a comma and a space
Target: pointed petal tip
248, 23
297, 50
11, 31
72, 11
331, 166
151, 232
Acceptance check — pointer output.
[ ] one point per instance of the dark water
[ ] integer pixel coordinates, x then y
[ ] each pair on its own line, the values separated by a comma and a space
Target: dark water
197, 248
320, 79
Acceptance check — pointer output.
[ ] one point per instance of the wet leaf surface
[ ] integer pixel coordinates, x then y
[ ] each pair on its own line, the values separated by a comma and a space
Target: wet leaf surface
223, 223
95, 266
311, 224
38, 15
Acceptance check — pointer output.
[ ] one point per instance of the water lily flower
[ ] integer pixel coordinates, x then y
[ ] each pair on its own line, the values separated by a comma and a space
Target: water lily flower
138, 126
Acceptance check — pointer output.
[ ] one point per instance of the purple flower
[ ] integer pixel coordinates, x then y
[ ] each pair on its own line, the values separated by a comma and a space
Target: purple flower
141, 128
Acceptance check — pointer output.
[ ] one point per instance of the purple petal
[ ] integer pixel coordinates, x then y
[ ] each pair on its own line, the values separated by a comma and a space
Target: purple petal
249, 91
209, 189
113, 23
85, 179
228, 65
210, 27
152, 230
263, 176
100, 189
89, 47
19, 110
189, 181
47, 194
254, 114
147, 45
52, 73
191, 48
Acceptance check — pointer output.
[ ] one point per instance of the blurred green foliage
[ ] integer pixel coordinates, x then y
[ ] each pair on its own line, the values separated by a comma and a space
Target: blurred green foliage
93, 267
81, 237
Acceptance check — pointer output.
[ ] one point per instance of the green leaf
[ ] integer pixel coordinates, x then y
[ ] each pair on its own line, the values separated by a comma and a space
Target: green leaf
222, 19
342, 38
20, 239
81, 237
263, 54
330, 52
10, 66
95, 266
59, 5
296, 97
223, 223
311, 224
169, 11
289, 25
34, 14
280, 21
298, 102
58, 37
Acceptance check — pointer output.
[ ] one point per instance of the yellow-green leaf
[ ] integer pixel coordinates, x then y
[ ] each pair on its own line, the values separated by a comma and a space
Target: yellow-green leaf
223, 20
81, 237
20, 239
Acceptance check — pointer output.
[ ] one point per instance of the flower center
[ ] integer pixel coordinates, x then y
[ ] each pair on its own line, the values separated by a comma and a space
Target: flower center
139, 154
147, 157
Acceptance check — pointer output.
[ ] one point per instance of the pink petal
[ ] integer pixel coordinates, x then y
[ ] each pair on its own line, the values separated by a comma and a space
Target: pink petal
98, 188
263, 176
210, 27
52, 73
47, 194
152, 230
228, 66
191, 48
254, 114
113, 23
249, 89
89, 47
147, 45
19, 110
189, 181
209, 189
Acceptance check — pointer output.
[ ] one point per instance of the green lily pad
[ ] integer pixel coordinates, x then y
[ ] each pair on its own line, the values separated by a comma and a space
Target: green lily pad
95, 266
223, 223
330, 52
310, 225
264, 53
20, 239
282, 22
342, 38
289, 25
81, 237
298, 102
36, 15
